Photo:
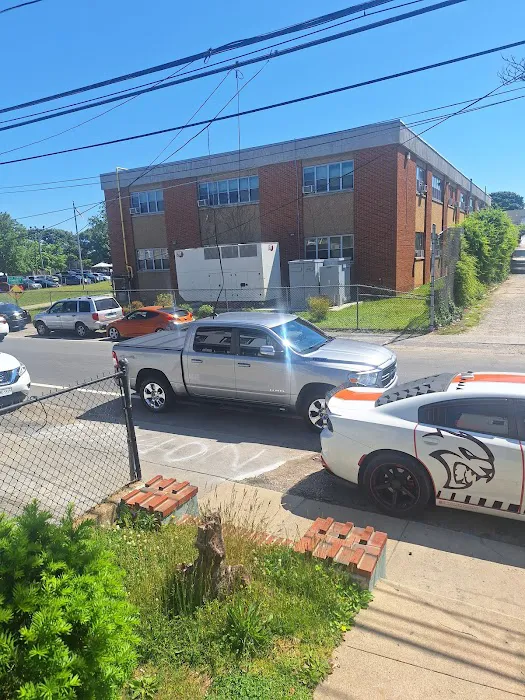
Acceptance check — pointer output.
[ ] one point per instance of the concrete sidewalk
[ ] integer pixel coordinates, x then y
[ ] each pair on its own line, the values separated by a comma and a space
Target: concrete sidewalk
448, 621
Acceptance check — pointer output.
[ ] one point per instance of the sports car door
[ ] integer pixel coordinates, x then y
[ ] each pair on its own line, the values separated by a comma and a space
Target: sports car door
471, 449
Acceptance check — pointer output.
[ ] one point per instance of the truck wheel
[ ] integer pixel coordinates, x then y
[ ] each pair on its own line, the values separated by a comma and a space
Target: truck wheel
312, 407
156, 393
397, 484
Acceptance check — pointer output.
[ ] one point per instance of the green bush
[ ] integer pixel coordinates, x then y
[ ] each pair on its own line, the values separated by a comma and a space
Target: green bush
491, 239
319, 308
204, 311
66, 626
467, 287
164, 299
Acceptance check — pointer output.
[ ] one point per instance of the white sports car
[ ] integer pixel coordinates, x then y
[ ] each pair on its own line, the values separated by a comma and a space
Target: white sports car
456, 440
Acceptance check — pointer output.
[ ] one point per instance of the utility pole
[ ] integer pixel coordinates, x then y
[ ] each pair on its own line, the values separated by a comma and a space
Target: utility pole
79, 248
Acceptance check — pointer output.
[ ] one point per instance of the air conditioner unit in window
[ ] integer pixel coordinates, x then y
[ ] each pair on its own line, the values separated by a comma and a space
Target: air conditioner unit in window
451, 201
134, 210
308, 189
202, 203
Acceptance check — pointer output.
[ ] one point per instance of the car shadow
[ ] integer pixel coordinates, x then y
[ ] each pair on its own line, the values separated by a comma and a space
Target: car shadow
326, 496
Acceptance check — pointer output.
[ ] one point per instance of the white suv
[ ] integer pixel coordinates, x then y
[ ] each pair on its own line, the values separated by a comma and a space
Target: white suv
82, 315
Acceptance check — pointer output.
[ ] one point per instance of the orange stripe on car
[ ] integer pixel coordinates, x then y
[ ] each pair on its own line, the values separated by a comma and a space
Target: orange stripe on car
491, 377
356, 395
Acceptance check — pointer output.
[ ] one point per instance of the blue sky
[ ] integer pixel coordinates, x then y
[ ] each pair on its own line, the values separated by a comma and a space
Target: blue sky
59, 44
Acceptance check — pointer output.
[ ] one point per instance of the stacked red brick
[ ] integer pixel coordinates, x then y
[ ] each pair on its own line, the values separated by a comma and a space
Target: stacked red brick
161, 497
361, 551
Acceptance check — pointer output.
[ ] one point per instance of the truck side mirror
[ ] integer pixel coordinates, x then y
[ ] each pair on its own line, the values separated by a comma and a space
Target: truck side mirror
267, 351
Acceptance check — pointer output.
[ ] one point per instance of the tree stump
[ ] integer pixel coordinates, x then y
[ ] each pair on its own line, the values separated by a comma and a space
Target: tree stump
209, 576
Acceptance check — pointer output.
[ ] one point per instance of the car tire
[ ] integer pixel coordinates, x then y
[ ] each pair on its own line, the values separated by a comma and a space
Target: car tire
312, 405
41, 329
156, 393
158, 330
81, 330
2, 338
114, 333
397, 484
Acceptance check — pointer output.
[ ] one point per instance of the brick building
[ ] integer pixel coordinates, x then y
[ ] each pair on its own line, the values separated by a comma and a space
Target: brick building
372, 194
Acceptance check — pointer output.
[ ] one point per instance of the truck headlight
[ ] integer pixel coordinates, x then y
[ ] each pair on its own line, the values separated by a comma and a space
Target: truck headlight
365, 378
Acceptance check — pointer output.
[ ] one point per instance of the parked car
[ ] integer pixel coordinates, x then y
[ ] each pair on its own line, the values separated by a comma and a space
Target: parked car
148, 319
45, 280
517, 261
15, 383
4, 327
82, 315
259, 358
27, 283
4, 287
456, 440
71, 279
17, 317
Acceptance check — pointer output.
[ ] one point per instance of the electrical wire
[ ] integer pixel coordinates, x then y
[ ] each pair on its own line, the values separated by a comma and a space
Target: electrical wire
256, 110
17, 7
238, 64
11, 189
206, 55
217, 63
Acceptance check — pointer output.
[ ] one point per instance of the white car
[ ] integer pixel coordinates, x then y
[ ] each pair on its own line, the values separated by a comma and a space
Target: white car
456, 440
4, 327
15, 382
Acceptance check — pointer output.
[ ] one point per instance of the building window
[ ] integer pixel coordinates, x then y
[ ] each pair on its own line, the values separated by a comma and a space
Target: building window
324, 247
471, 205
151, 202
152, 259
462, 201
332, 177
420, 245
421, 179
238, 190
437, 188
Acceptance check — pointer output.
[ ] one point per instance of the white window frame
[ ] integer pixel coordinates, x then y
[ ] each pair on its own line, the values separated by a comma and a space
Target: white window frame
329, 242
420, 183
148, 195
158, 256
316, 168
213, 189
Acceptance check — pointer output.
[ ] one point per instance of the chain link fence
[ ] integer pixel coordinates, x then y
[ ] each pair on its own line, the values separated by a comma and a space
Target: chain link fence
445, 255
75, 446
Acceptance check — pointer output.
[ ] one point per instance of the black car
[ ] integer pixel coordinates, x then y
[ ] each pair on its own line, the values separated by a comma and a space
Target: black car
17, 318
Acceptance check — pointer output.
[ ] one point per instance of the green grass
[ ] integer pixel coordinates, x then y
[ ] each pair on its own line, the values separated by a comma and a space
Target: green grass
45, 297
401, 313
272, 639
470, 317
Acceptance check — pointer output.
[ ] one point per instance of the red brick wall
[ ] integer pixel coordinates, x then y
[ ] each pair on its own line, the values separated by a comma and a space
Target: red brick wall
406, 222
181, 217
281, 219
375, 191
115, 230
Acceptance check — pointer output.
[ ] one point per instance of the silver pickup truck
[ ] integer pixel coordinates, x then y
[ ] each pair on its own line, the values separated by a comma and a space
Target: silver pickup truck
259, 358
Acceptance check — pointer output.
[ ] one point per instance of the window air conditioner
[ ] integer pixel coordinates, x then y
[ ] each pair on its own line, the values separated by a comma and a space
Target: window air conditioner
451, 201
308, 189
134, 210
202, 203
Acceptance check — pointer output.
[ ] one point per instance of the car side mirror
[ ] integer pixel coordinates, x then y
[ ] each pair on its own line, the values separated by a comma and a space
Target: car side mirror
267, 351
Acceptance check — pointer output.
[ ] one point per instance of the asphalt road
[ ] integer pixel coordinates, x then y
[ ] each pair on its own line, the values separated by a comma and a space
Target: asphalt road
275, 450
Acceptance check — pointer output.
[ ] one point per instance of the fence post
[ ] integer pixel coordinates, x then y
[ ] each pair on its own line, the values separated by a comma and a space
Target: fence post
135, 472
432, 278
357, 308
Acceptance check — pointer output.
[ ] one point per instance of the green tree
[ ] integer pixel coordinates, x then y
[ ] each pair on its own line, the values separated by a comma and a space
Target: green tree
95, 238
491, 238
14, 257
507, 200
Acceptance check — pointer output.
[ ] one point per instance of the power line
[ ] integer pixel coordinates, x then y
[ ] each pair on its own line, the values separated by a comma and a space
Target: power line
210, 65
256, 110
12, 189
206, 55
22, 4
251, 61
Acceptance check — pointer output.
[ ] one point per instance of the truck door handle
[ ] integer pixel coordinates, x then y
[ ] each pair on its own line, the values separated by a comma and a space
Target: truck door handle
431, 441
198, 361
243, 364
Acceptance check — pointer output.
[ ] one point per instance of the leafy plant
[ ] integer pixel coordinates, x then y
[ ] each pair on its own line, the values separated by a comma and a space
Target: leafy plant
247, 627
467, 287
67, 629
143, 687
134, 306
164, 299
491, 238
204, 311
138, 520
319, 307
